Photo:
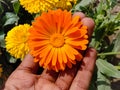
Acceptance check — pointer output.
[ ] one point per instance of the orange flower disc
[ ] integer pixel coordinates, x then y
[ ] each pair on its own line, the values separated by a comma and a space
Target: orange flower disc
56, 39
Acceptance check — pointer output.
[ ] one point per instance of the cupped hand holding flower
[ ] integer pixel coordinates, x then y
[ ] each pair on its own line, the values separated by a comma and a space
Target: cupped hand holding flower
76, 78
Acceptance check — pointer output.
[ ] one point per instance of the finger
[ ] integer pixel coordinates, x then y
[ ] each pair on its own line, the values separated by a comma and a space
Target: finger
90, 24
86, 21
80, 14
84, 74
28, 64
49, 75
65, 78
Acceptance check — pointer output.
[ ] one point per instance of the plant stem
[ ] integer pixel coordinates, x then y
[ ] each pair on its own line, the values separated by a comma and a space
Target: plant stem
96, 45
108, 53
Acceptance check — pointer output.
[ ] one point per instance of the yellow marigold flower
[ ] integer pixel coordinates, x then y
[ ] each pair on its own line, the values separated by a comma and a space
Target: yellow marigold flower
1, 70
56, 39
36, 6
66, 4
16, 41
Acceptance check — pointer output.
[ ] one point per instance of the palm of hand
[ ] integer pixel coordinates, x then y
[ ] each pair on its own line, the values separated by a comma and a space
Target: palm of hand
22, 80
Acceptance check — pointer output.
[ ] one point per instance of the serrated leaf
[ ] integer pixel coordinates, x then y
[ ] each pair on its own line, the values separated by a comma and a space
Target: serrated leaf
103, 83
117, 43
107, 68
11, 18
2, 41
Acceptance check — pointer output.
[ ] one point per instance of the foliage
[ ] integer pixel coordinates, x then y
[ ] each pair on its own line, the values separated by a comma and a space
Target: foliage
107, 23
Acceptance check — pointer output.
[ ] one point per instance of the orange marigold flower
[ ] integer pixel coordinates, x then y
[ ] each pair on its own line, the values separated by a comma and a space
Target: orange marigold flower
56, 39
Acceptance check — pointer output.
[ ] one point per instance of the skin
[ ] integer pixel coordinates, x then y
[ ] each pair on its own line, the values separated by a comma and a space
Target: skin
76, 78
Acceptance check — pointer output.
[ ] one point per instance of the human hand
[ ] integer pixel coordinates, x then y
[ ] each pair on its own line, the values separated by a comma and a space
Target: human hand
76, 78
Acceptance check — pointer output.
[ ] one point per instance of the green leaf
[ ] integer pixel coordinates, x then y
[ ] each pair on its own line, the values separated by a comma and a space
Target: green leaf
92, 85
2, 41
107, 68
11, 18
103, 83
118, 67
117, 43
1, 9
112, 3
83, 3
12, 1
3, 1
12, 60
16, 6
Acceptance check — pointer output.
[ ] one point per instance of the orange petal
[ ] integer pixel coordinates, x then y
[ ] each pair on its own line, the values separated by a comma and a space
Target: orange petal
36, 59
73, 50
45, 51
83, 32
39, 43
49, 57
60, 56
64, 55
82, 47
68, 52
67, 18
72, 30
59, 21
36, 51
55, 57
40, 29
79, 57
42, 60
69, 64
75, 20
37, 36
60, 59
62, 66
72, 61
77, 43
75, 34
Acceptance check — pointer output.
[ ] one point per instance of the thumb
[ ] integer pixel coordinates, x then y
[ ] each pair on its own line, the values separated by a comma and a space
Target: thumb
28, 64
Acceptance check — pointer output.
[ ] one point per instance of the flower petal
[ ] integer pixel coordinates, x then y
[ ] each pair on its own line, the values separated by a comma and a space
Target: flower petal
49, 57
68, 52
64, 55
55, 57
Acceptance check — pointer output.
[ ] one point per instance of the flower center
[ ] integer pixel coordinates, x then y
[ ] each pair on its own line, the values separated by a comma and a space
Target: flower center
23, 38
57, 40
